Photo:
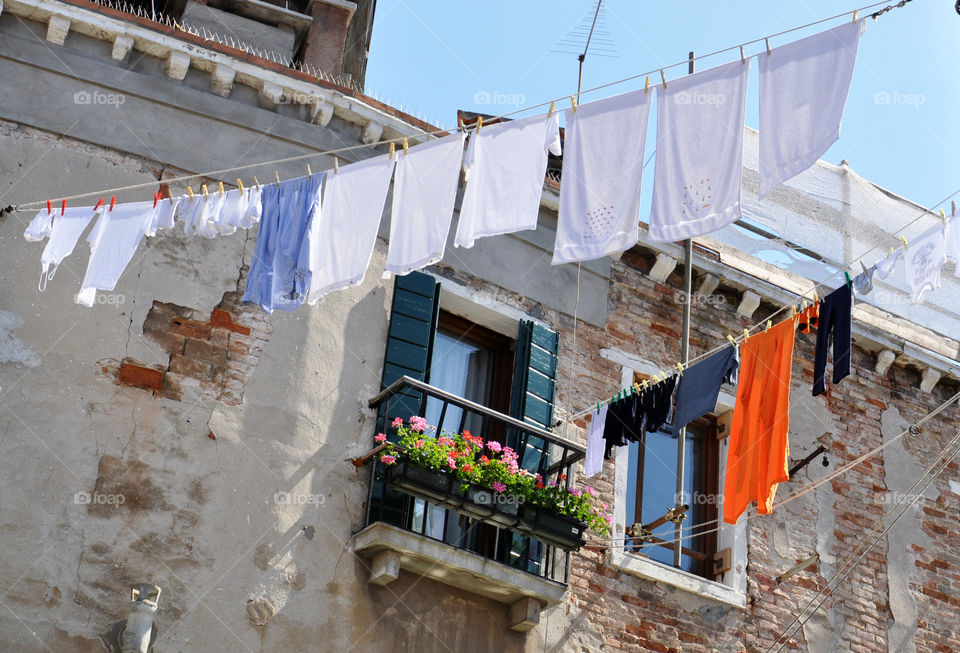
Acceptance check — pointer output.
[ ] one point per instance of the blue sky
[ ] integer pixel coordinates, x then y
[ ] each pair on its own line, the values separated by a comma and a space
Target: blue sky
900, 129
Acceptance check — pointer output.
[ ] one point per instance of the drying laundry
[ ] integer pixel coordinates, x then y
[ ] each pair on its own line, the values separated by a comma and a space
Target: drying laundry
593, 463
954, 246
163, 216
279, 276
343, 238
863, 282
696, 185
809, 317
424, 191
505, 167
200, 213
759, 449
241, 208
602, 168
886, 265
835, 318
622, 424
113, 242
63, 230
656, 405
803, 89
923, 261
700, 384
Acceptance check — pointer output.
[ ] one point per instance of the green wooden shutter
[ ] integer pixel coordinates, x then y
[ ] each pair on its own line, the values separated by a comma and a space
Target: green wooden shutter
534, 383
413, 324
410, 335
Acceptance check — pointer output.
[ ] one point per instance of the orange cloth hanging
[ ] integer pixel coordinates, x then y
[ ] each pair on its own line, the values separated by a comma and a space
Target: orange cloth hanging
757, 459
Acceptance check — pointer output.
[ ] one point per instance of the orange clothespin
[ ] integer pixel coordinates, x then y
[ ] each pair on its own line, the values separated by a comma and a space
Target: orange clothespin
63, 206
99, 204
49, 207
156, 197
113, 202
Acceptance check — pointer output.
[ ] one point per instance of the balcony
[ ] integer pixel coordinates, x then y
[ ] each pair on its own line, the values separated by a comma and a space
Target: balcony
452, 543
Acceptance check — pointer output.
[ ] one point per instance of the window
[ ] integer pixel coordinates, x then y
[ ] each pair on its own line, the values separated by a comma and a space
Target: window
651, 491
513, 376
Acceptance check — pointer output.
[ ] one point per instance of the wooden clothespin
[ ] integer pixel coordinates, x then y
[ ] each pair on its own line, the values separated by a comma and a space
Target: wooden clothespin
553, 107
113, 202
276, 178
943, 216
336, 165
636, 388
767, 42
406, 146
663, 78
573, 103
49, 207
203, 187
309, 171
743, 58
646, 87
903, 239
793, 310
220, 184
240, 184
856, 14
190, 193
816, 297
393, 148
257, 182
479, 122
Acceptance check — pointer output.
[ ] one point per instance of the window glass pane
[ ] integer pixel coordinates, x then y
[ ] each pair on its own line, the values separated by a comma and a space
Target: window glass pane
464, 369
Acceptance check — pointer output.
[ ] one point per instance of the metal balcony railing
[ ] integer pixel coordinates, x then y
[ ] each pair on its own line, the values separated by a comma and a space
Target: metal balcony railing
540, 451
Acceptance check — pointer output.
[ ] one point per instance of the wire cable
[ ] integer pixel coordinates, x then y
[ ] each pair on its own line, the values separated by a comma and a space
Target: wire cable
398, 140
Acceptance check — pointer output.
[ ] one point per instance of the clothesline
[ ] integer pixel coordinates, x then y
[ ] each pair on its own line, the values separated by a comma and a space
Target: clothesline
809, 295
28, 206
810, 487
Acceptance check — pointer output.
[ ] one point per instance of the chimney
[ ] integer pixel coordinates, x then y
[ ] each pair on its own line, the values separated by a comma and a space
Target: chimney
327, 36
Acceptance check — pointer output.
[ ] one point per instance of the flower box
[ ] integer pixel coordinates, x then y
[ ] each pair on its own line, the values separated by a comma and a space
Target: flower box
552, 528
435, 486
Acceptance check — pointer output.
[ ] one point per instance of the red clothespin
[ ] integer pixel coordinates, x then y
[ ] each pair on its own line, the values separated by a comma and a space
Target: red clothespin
49, 207
113, 201
63, 206
99, 204
156, 196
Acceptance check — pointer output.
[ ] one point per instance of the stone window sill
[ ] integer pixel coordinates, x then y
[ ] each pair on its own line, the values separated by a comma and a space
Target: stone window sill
682, 580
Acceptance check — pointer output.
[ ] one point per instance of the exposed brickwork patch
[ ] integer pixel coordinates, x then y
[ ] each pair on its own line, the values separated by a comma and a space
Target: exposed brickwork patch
139, 376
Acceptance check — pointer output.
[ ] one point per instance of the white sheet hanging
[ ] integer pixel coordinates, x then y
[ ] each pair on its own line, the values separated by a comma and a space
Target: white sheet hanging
923, 261
505, 167
424, 192
600, 184
803, 89
342, 238
696, 187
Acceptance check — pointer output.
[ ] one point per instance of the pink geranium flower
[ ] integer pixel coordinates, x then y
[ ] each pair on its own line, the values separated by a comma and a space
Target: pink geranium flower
388, 460
381, 437
418, 424
451, 463
499, 487
396, 423
419, 444
494, 446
